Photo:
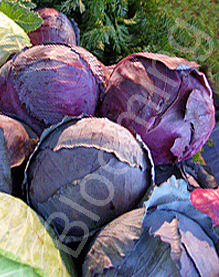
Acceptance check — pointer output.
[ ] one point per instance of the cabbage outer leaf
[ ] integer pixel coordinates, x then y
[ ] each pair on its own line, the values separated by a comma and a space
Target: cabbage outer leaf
171, 216
12, 38
123, 249
25, 245
11, 268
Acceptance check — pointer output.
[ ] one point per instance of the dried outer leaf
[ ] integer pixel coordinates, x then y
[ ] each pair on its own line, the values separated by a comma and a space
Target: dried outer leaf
18, 142
207, 202
5, 171
87, 133
171, 62
189, 232
122, 248
170, 239
88, 171
201, 173
199, 115
25, 243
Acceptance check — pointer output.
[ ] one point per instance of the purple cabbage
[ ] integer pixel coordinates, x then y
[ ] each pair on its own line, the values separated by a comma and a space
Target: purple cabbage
164, 99
84, 173
17, 144
56, 28
168, 237
44, 83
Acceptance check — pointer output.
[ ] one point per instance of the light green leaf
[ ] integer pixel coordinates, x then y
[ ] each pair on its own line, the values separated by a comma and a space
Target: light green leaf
20, 12
25, 244
25, 3
11, 268
12, 38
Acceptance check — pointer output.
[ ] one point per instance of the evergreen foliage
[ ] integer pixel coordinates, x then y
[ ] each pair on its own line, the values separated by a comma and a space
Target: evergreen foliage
112, 29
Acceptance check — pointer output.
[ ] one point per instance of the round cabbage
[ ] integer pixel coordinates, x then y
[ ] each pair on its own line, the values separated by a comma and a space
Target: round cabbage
84, 173
17, 144
165, 100
168, 237
44, 83
56, 28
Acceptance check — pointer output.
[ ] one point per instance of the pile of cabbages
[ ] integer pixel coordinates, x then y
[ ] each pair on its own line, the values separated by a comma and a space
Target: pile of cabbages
103, 154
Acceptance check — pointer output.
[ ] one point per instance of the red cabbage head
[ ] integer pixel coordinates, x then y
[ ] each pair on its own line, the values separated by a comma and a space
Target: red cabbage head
56, 28
44, 83
164, 99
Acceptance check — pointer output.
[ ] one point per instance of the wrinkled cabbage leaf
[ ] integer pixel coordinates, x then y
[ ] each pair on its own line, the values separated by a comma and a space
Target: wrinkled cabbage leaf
26, 248
171, 216
12, 38
168, 237
123, 249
